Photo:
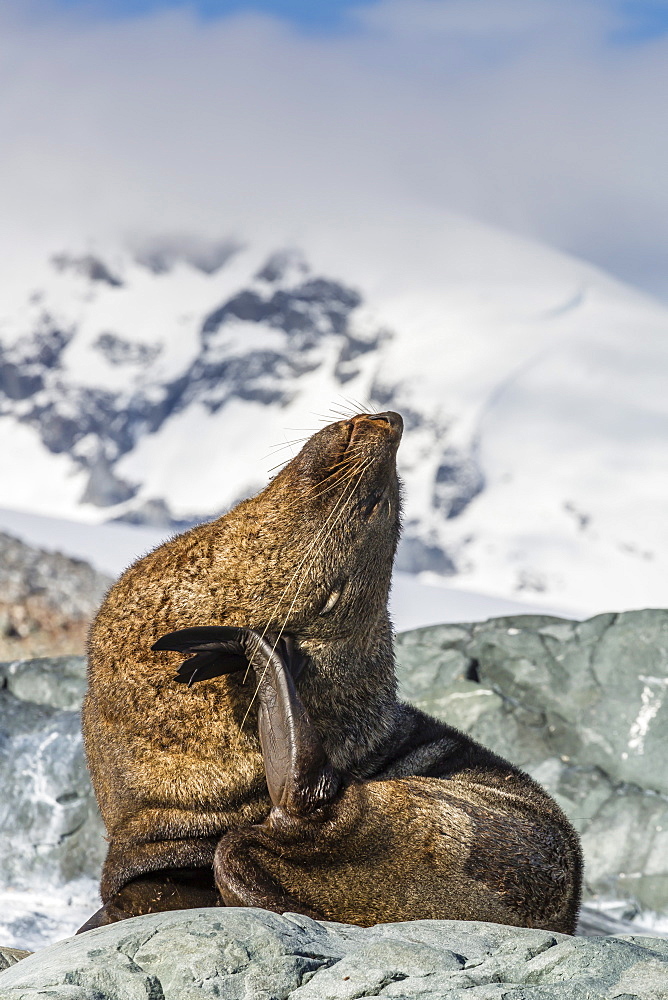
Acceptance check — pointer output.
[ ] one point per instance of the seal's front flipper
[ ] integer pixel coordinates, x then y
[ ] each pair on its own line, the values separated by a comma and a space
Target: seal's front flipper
215, 649
300, 776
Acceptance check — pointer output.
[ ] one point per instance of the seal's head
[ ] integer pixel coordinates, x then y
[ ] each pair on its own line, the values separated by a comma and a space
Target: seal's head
311, 556
319, 541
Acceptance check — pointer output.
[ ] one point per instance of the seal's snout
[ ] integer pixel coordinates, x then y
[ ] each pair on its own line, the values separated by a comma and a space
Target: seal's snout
364, 445
392, 420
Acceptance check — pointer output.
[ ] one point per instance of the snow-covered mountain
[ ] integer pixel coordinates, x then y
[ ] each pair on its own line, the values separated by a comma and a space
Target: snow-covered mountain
159, 383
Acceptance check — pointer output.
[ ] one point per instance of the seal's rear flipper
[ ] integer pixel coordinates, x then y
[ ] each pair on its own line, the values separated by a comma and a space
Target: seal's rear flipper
216, 651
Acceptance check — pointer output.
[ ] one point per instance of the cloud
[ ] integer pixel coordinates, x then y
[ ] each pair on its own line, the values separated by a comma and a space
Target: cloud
529, 114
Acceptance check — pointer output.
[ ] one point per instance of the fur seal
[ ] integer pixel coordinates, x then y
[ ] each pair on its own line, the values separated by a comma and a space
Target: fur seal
348, 805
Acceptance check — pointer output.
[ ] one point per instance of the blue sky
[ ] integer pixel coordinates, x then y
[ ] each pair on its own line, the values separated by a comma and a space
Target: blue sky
309, 14
645, 19
641, 19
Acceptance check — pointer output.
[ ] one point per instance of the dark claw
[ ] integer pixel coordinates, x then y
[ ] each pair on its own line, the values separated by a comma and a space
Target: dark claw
191, 640
216, 650
204, 666
220, 649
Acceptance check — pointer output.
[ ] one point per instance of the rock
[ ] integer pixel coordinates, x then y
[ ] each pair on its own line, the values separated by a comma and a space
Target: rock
10, 956
59, 682
237, 953
53, 837
51, 829
582, 706
416, 556
46, 600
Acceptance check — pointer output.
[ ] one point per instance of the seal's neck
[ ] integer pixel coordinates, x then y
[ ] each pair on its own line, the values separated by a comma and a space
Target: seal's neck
349, 690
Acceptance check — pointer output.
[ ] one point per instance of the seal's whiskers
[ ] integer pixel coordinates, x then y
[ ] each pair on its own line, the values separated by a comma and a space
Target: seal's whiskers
360, 408
327, 527
353, 463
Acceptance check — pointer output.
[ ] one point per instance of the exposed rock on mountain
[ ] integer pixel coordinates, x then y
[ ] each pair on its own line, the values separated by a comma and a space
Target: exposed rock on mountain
46, 600
10, 956
307, 322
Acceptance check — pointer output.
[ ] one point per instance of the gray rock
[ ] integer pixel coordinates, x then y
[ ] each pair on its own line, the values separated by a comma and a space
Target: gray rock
543, 692
582, 706
415, 556
52, 830
241, 953
104, 487
68, 586
47, 600
57, 681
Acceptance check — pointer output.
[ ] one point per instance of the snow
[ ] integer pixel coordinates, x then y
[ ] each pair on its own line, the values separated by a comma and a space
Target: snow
178, 456
574, 452
415, 603
32, 477
34, 918
110, 548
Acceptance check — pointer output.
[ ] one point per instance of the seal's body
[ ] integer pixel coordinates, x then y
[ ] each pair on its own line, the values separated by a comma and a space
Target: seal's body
419, 821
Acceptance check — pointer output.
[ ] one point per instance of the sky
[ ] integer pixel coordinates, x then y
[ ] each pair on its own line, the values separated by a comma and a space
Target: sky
546, 117
638, 19
308, 15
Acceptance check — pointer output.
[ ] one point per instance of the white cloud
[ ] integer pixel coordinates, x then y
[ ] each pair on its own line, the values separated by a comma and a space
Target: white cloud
521, 112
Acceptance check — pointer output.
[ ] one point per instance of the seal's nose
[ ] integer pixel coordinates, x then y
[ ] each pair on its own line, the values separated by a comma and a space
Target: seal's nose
394, 420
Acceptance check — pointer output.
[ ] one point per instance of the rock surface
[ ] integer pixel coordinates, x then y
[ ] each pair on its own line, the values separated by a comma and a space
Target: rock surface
53, 844
46, 600
582, 706
47, 811
242, 953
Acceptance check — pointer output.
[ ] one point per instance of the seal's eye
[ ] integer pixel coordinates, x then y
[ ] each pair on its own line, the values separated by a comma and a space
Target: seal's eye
332, 600
372, 503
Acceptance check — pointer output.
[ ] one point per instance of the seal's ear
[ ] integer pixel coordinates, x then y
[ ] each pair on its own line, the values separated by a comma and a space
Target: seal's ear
216, 650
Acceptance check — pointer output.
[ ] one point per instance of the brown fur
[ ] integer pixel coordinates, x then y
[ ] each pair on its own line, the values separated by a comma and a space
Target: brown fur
406, 849
176, 768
